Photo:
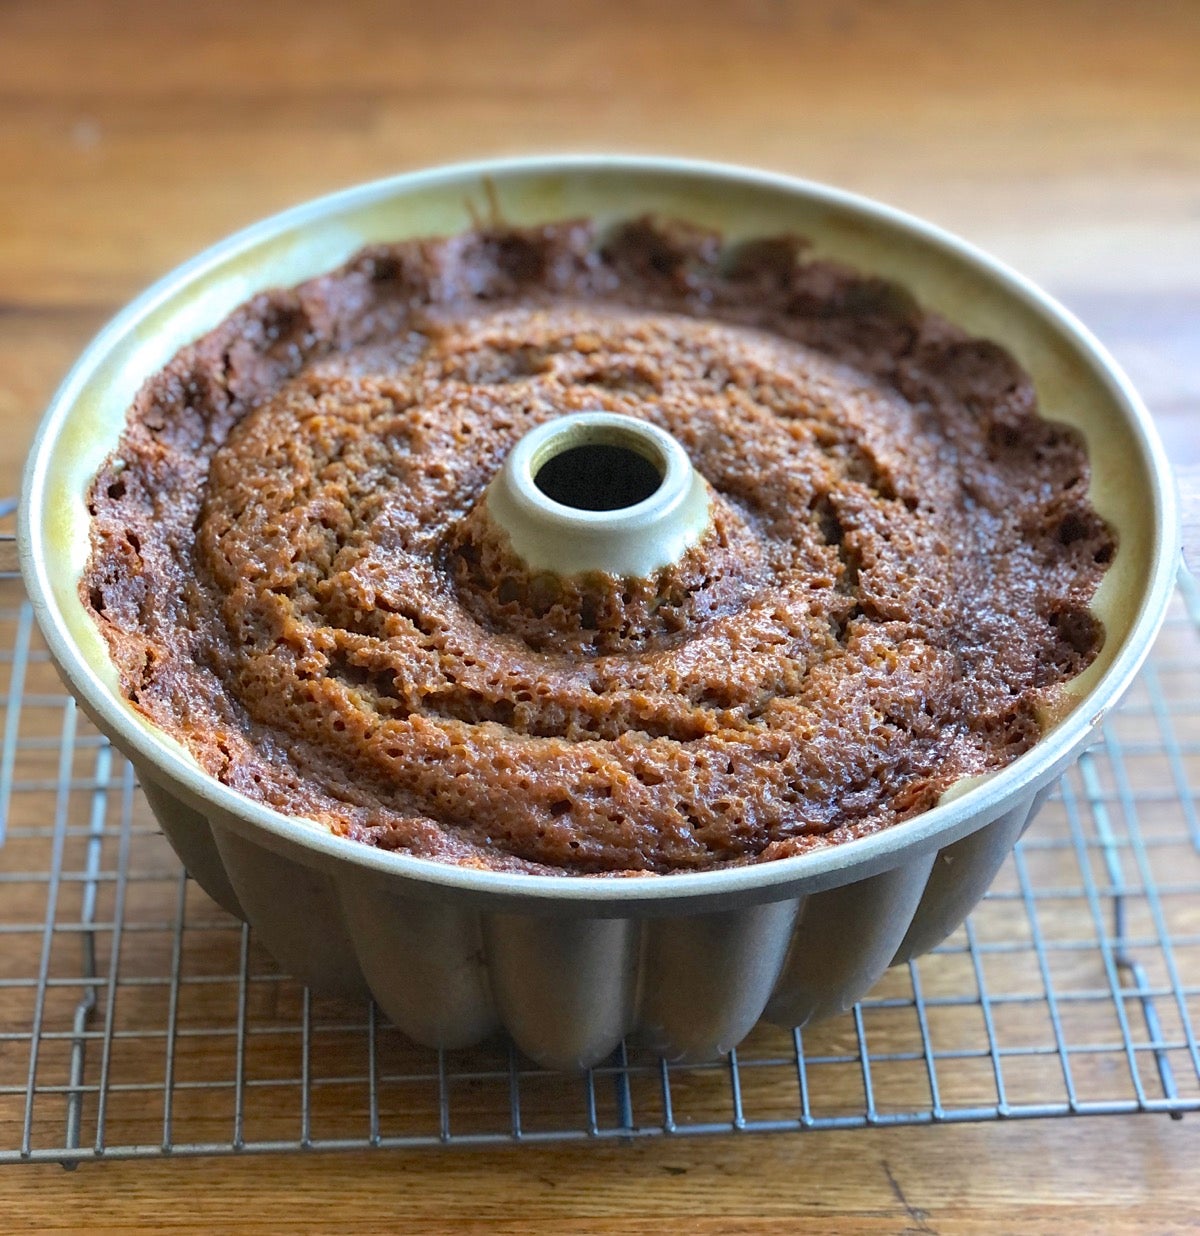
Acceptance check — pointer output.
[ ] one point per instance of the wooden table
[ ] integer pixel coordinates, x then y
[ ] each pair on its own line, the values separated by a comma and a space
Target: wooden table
1063, 137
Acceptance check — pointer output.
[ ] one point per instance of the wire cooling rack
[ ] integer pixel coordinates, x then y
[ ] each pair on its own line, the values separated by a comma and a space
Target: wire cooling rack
137, 1019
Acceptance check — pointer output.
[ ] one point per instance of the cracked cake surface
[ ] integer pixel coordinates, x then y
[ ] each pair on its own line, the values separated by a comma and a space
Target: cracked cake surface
294, 576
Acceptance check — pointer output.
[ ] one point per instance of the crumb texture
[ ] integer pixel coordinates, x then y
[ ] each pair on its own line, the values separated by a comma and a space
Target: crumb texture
293, 572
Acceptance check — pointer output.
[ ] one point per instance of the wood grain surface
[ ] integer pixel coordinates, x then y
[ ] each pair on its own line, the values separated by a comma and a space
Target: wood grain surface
1061, 136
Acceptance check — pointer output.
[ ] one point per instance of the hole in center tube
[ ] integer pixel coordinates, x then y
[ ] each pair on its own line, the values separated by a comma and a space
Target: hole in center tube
598, 476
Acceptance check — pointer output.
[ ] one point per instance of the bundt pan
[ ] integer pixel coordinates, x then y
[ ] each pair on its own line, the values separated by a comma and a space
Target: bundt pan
567, 966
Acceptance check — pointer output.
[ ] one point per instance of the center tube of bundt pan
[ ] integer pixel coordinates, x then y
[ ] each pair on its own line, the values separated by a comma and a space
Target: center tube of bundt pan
597, 491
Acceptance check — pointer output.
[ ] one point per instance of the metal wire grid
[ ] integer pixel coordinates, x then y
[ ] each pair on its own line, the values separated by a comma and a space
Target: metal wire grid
137, 1019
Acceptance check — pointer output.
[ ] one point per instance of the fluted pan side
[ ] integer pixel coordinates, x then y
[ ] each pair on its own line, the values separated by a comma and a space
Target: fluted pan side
564, 987
424, 962
191, 838
295, 912
845, 939
705, 978
567, 986
961, 874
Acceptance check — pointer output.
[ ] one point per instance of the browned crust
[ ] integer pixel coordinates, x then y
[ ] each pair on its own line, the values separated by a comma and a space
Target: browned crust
291, 573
